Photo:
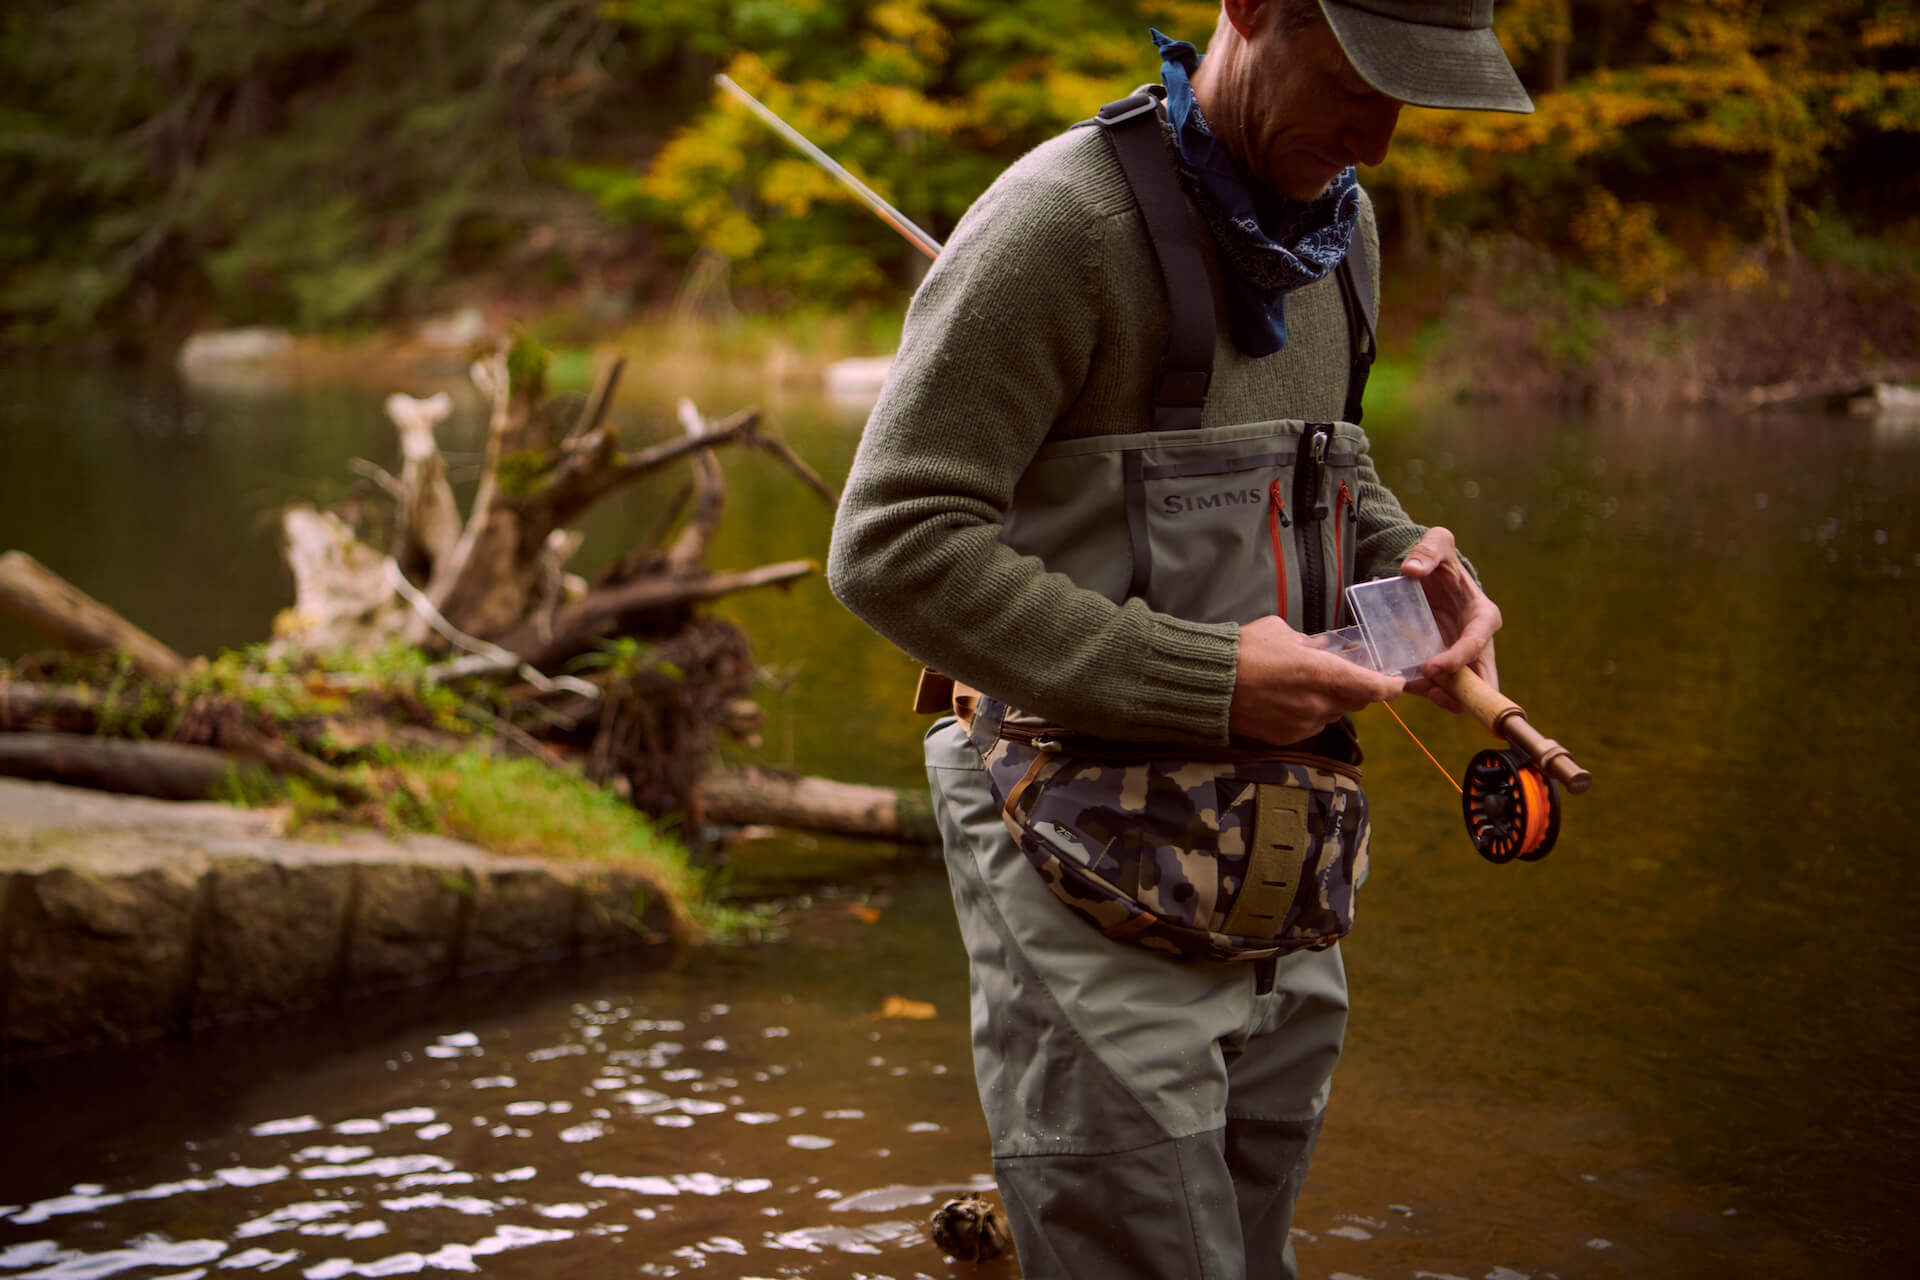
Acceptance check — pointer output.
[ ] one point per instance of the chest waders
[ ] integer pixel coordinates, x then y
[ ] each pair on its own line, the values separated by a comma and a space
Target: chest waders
1238, 854
1150, 1120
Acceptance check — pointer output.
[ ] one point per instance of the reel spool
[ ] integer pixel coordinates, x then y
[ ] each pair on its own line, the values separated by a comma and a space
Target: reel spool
1512, 809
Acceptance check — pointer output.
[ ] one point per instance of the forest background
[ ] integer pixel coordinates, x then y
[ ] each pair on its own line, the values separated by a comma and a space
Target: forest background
1714, 199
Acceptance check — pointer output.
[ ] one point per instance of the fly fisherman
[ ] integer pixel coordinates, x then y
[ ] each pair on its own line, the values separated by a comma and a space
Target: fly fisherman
1111, 485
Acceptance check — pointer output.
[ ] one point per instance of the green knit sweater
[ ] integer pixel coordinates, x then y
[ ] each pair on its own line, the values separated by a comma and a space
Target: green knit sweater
1043, 319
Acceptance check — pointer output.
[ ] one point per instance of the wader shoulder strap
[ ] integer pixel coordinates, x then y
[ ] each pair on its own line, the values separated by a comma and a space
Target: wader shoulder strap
1186, 367
1356, 294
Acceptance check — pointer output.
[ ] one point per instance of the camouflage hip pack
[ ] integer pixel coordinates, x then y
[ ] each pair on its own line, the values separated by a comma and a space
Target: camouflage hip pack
1241, 857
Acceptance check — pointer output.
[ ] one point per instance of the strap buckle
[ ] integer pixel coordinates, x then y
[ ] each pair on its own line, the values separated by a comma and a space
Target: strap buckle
1147, 102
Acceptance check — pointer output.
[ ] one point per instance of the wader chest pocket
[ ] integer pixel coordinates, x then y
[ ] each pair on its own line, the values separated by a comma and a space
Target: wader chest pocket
1232, 531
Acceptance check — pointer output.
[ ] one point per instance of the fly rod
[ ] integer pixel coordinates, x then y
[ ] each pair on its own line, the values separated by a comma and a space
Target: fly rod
886, 212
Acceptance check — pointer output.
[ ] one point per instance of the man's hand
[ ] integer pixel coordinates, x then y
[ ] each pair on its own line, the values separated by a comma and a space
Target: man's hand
1286, 690
1467, 618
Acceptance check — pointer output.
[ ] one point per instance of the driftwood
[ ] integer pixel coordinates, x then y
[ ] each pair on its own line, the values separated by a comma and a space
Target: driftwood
1833, 389
42, 598
752, 796
620, 678
500, 575
163, 770
49, 603
578, 626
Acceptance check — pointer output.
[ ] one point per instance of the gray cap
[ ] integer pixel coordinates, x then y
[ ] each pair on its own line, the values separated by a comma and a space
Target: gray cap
1431, 53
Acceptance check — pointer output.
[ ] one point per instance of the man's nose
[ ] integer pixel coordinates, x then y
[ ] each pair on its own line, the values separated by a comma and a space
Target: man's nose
1366, 136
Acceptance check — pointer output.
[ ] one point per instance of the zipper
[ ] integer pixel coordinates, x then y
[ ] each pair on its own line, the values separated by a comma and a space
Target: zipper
1276, 520
1306, 498
1342, 504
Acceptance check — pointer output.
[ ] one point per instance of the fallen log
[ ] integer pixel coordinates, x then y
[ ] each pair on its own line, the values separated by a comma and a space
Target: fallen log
59, 708
748, 795
48, 603
162, 770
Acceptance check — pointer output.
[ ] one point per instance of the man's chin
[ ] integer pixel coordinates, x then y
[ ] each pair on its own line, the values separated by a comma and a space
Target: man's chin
1314, 189
1308, 187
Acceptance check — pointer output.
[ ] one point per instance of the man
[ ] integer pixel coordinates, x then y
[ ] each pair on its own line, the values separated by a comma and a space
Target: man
1152, 1118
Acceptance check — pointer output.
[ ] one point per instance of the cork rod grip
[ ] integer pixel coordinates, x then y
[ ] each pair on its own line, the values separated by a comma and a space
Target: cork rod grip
1504, 716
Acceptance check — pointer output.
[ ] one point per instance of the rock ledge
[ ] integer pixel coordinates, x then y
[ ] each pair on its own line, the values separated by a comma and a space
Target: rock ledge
123, 919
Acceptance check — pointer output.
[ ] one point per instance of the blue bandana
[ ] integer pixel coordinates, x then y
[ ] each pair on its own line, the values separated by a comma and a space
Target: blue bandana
1295, 243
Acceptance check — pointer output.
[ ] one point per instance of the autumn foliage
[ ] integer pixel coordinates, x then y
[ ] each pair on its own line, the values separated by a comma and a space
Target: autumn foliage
333, 163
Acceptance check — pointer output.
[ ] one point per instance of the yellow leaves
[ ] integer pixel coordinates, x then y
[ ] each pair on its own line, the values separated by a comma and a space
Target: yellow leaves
1890, 30
1182, 19
897, 107
901, 1007
908, 22
791, 186
1746, 275
1526, 26
1626, 245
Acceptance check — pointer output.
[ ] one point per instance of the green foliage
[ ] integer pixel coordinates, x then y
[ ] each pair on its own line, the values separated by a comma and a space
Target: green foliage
250, 788
519, 472
527, 365
303, 164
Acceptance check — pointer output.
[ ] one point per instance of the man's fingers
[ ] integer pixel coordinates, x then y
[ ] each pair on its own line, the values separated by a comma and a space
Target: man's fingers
1474, 637
1436, 545
1356, 687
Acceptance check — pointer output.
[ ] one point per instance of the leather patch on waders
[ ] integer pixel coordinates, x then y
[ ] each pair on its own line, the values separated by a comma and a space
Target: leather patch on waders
1274, 857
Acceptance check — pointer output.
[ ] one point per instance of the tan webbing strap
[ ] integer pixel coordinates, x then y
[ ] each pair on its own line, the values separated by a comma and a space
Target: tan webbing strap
966, 699
938, 695
1011, 808
934, 694
1274, 854
1130, 926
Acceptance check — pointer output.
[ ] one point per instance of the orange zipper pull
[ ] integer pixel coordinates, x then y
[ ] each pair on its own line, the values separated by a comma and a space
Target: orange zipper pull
1339, 556
1276, 520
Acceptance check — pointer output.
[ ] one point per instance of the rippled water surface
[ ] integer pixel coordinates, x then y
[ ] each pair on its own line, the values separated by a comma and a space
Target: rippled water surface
1683, 1045
749, 1116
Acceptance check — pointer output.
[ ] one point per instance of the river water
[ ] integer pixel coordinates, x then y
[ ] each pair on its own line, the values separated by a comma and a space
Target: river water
1682, 1045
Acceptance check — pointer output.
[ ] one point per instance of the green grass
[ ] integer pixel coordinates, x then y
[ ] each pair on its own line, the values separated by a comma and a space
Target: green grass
523, 808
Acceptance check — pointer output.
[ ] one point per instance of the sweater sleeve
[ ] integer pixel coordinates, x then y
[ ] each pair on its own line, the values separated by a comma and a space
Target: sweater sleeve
997, 344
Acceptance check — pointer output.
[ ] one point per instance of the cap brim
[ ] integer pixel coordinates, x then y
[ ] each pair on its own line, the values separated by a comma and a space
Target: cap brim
1428, 66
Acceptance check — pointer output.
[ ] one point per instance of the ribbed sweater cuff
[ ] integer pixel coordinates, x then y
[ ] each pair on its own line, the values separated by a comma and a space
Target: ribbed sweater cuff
1186, 681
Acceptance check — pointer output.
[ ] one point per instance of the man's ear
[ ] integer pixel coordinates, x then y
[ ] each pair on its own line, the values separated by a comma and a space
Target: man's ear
1244, 15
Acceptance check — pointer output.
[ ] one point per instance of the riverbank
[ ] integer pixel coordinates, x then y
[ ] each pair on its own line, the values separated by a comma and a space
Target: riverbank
1496, 319
1492, 319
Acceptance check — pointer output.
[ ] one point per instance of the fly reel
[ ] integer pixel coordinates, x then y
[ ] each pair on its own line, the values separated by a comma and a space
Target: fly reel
1512, 809
1509, 796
